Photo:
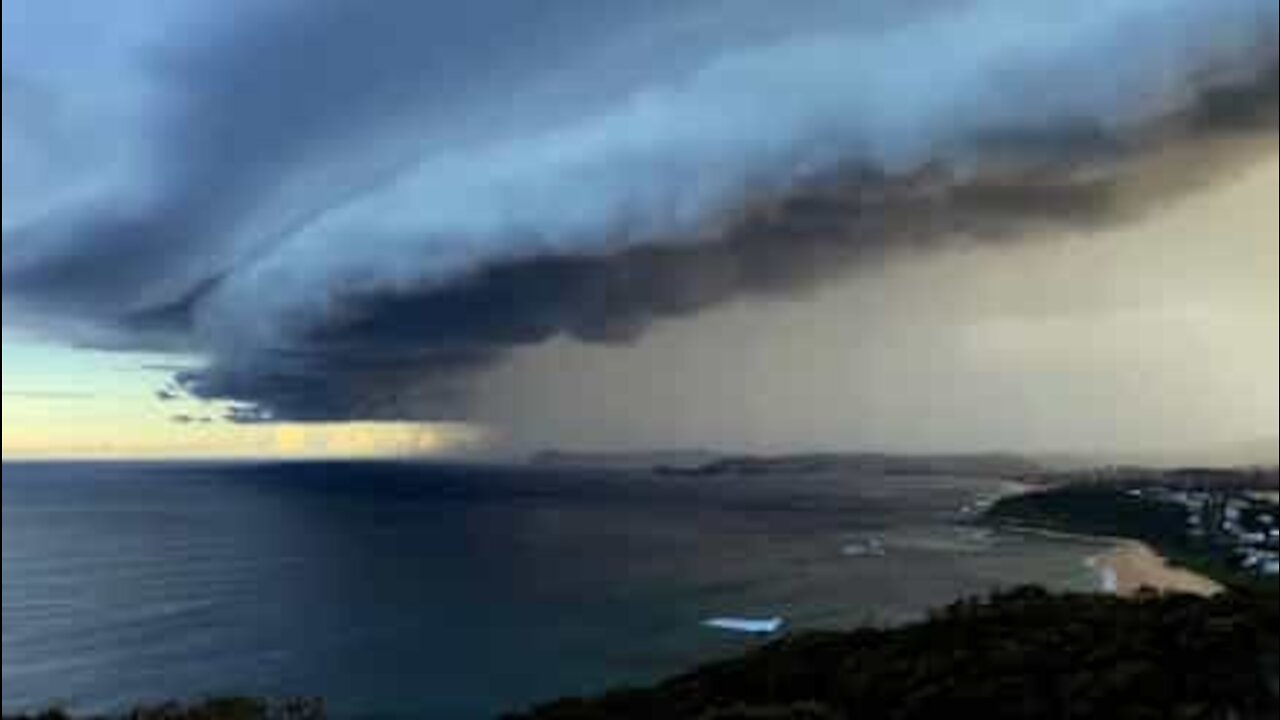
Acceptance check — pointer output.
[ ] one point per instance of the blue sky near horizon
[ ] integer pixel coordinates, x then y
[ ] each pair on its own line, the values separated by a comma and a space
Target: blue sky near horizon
62, 404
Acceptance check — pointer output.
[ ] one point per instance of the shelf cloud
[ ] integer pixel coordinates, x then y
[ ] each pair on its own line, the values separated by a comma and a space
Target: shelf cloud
352, 208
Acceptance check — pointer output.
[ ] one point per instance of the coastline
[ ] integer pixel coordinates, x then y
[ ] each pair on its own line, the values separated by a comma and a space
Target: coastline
1271, 497
1127, 550
1131, 567
1126, 567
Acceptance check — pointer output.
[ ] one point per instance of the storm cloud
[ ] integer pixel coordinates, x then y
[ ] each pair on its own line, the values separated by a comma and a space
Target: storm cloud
352, 208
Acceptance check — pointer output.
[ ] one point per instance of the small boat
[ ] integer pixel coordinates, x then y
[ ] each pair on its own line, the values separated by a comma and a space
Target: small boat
748, 626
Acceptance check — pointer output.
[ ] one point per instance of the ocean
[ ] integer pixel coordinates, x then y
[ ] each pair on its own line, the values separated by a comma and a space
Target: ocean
431, 592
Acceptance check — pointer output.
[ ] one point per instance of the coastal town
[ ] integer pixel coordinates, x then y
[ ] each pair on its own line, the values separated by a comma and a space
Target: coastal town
1240, 524
1223, 524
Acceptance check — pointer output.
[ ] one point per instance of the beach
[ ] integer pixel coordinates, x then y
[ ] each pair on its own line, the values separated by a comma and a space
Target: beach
1271, 497
1131, 566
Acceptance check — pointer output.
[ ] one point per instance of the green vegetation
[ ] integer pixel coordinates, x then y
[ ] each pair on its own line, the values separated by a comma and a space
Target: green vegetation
1023, 655
1097, 510
1130, 511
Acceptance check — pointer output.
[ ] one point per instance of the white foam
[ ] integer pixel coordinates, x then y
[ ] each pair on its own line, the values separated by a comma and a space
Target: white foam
1110, 581
870, 548
749, 626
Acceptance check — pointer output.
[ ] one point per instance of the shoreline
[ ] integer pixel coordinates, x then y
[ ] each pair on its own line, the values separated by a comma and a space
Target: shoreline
1014, 528
1131, 567
1126, 567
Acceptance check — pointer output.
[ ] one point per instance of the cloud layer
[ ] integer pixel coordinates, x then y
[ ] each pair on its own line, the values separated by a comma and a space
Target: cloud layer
351, 208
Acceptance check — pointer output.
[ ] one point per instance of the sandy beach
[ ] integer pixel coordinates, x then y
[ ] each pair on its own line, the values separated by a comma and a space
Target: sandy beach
1271, 497
1132, 566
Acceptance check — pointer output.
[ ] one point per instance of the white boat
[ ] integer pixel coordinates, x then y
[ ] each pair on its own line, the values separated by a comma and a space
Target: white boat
749, 626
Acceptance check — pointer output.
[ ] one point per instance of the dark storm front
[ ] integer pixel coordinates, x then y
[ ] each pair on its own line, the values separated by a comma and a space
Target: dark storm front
398, 591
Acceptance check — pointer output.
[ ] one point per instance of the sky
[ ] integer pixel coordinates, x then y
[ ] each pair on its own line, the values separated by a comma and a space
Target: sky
327, 228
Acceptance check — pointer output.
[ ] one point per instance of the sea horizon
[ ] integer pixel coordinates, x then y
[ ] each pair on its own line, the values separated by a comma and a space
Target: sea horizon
404, 590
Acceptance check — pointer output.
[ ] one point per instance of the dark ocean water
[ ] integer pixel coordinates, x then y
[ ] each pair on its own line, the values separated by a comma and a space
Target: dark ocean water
451, 593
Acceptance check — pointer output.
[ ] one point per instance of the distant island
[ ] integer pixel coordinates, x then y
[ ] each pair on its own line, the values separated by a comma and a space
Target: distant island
700, 463
1227, 464
992, 466
641, 461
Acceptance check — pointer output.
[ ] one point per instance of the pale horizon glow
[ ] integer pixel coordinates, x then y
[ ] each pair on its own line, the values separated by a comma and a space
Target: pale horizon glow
62, 404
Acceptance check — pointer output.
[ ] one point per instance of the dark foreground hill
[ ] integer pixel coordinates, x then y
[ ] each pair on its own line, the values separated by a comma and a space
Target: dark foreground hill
1024, 655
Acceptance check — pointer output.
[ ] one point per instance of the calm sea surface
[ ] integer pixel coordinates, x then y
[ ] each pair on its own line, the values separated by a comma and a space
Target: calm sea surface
451, 593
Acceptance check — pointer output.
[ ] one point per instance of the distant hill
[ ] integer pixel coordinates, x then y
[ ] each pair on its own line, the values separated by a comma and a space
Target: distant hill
706, 463
1004, 466
701, 463
623, 460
